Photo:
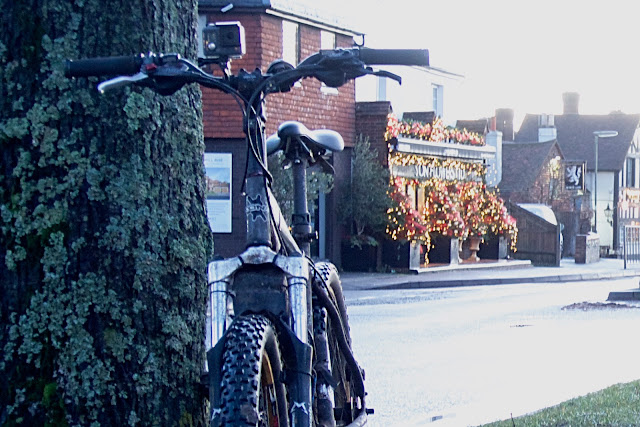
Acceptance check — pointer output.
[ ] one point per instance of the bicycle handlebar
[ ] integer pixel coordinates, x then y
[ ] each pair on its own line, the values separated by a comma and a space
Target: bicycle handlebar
419, 57
113, 65
128, 65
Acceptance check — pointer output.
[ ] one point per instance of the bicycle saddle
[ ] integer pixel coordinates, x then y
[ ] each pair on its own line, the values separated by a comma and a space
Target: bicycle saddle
317, 141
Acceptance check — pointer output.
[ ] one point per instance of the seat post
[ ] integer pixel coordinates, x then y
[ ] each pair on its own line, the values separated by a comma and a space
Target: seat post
301, 221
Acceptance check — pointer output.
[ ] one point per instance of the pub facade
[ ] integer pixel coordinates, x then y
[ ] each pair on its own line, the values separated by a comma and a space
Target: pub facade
442, 185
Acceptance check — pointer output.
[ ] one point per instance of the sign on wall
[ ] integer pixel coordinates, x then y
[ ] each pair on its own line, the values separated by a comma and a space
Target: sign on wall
574, 176
218, 193
443, 173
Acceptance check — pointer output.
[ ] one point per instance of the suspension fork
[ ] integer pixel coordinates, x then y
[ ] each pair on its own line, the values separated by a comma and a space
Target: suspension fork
296, 268
220, 275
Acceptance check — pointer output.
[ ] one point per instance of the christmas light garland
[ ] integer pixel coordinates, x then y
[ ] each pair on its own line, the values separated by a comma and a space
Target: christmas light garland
452, 208
404, 222
434, 132
403, 159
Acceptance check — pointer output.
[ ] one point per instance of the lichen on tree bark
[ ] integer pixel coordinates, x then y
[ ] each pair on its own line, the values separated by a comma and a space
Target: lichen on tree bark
103, 234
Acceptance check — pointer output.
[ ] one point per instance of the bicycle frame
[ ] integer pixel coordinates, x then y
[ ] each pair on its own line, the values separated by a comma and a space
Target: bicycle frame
261, 207
271, 281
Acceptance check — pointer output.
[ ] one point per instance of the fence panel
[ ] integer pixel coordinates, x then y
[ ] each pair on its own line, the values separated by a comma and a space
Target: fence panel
631, 246
538, 240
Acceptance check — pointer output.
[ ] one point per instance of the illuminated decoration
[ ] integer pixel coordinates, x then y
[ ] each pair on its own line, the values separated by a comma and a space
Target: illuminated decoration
441, 209
404, 222
417, 166
434, 132
456, 200
451, 209
472, 201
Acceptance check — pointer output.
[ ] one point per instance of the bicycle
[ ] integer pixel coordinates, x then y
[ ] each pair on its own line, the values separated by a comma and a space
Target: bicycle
277, 339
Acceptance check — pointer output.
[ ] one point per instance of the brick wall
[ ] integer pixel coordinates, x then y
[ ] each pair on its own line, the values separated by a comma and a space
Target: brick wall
221, 115
307, 103
371, 122
312, 105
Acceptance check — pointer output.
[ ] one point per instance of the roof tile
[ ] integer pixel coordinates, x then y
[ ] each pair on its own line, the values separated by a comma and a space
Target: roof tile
576, 139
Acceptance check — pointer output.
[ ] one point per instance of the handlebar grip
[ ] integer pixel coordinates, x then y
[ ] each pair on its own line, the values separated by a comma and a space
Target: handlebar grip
112, 65
395, 56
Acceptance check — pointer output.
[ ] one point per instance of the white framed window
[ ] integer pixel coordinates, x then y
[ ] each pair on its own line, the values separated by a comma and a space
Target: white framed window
631, 172
438, 96
328, 42
382, 88
291, 42
438, 92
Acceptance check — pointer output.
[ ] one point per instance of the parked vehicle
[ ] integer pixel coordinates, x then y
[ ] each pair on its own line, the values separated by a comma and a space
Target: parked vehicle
279, 350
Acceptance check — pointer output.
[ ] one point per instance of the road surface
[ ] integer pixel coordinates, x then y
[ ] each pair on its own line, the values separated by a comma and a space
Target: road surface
466, 356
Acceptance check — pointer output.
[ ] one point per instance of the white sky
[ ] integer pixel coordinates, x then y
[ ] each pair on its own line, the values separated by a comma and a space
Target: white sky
514, 53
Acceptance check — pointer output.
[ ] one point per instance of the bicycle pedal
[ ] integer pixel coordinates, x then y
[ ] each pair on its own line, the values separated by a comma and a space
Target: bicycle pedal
369, 411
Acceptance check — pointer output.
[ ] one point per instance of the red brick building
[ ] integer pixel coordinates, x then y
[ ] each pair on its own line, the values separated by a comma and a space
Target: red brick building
273, 32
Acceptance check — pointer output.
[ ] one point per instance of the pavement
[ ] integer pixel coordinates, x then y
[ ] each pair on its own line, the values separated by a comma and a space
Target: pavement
499, 272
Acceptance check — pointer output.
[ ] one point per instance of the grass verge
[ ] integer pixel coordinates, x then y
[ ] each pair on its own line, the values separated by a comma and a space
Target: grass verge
618, 405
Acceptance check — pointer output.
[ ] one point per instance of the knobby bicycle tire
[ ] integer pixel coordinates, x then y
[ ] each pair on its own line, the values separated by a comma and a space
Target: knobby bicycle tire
344, 397
252, 393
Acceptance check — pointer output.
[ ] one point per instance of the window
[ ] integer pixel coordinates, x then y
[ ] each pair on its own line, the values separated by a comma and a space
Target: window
412, 194
382, 89
291, 42
437, 99
631, 173
328, 42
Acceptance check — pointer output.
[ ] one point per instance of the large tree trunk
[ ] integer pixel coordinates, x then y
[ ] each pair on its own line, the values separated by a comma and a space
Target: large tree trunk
103, 235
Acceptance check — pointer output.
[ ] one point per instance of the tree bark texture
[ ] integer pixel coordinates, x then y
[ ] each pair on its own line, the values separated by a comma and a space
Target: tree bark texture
103, 233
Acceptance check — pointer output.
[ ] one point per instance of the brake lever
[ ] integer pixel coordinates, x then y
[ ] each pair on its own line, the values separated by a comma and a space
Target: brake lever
120, 81
387, 74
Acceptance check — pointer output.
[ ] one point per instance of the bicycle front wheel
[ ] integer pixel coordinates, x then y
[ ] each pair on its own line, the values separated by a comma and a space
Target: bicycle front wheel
346, 401
252, 393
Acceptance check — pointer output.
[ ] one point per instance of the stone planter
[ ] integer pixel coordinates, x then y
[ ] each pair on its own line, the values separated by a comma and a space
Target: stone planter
474, 247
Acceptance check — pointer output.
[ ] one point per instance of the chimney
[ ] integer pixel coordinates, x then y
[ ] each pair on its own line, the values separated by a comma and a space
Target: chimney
504, 123
492, 124
570, 101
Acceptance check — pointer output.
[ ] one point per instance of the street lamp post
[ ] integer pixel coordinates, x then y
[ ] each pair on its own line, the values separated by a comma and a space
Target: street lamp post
598, 134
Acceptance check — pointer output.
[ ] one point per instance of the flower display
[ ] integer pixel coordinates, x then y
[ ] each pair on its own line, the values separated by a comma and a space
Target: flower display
433, 132
441, 210
498, 220
454, 209
405, 222
472, 202
455, 200
393, 128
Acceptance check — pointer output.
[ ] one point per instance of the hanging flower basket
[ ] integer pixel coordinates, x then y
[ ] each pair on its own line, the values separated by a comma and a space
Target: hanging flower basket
433, 132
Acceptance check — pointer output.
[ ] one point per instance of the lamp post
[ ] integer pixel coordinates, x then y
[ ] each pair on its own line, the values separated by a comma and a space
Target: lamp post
598, 134
608, 213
